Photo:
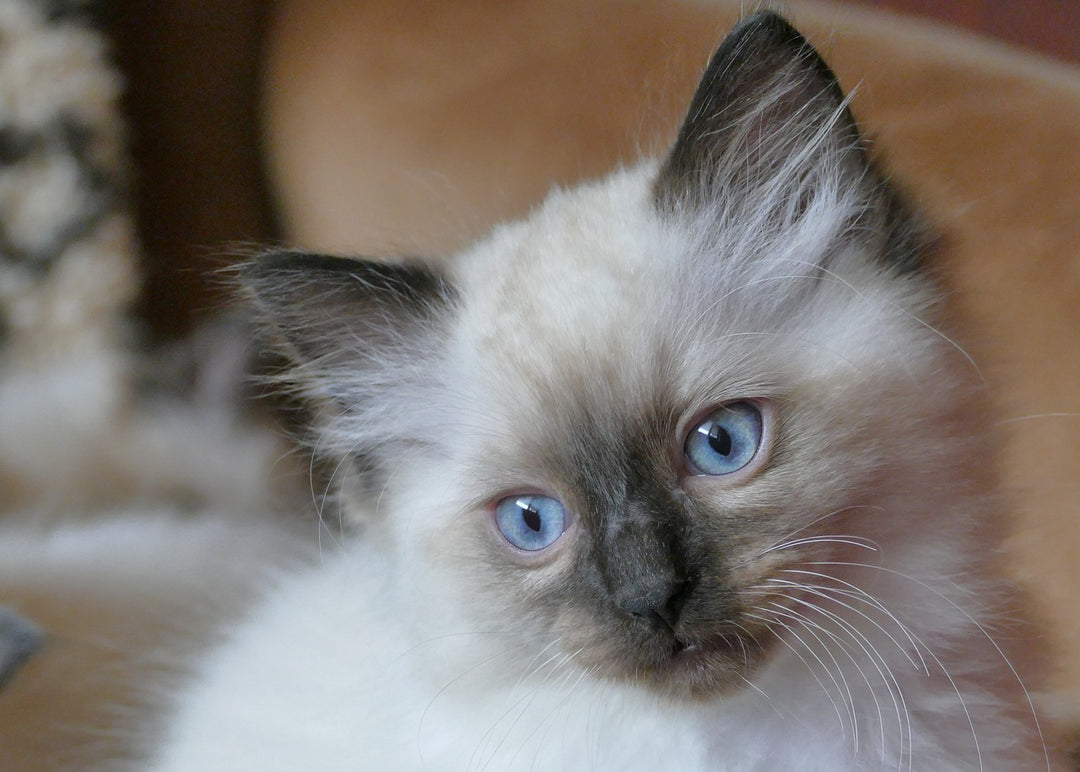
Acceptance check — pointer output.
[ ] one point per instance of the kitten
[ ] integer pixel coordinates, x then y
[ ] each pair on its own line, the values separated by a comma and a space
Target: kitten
680, 472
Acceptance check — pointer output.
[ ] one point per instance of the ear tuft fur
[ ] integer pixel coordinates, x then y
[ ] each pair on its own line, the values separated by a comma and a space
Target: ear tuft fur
769, 126
337, 313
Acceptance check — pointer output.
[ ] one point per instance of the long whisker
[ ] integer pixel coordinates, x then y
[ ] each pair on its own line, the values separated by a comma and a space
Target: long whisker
827, 515
880, 664
854, 541
761, 693
980, 628
873, 693
697, 322
1033, 416
442, 690
550, 714
769, 622
859, 593
520, 705
989, 638
529, 670
839, 673
918, 644
821, 593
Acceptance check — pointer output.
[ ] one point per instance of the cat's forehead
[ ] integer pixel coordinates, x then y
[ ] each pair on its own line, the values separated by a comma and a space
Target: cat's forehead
580, 272
600, 296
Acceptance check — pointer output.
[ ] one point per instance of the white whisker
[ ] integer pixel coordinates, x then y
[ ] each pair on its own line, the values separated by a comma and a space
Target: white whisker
754, 687
985, 634
854, 541
880, 664
822, 593
769, 622
549, 716
826, 516
806, 622
442, 690
1034, 416
839, 673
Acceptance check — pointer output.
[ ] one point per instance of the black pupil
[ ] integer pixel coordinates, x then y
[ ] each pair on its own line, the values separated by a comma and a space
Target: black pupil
720, 441
531, 518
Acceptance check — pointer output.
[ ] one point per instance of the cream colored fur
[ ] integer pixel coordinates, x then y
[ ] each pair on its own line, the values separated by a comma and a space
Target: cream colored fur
408, 649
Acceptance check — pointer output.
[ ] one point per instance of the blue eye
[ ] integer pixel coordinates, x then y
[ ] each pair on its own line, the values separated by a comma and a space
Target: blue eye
531, 522
726, 441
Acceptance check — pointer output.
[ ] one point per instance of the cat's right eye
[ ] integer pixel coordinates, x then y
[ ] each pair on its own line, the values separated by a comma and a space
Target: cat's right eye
726, 441
531, 522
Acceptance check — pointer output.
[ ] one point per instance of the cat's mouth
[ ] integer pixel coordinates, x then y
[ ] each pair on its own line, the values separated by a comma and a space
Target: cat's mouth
713, 652
693, 656
693, 659
708, 666
680, 646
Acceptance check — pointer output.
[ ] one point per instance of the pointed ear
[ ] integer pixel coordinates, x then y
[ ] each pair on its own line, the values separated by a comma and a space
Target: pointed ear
765, 98
769, 126
340, 318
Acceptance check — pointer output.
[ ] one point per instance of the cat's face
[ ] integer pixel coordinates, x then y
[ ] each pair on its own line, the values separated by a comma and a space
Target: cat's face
624, 429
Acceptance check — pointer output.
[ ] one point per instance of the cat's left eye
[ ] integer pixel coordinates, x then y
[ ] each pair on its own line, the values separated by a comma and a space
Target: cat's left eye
531, 522
726, 441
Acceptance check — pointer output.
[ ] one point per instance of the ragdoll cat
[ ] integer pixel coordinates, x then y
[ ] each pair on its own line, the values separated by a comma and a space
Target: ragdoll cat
678, 473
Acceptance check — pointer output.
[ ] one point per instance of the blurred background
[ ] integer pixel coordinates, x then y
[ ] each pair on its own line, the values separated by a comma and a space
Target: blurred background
194, 84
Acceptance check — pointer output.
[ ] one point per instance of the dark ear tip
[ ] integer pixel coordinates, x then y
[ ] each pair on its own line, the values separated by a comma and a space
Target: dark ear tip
270, 270
287, 260
766, 18
298, 277
258, 267
770, 30
768, 24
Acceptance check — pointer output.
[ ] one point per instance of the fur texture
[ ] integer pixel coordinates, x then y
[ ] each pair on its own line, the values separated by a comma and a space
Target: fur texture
834, 604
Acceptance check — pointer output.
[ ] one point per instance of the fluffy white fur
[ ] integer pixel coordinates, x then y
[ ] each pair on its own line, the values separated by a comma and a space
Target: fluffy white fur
381, 658
417, 644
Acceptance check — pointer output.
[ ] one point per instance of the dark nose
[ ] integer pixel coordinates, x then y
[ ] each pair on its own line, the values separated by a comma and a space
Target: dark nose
658, 603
